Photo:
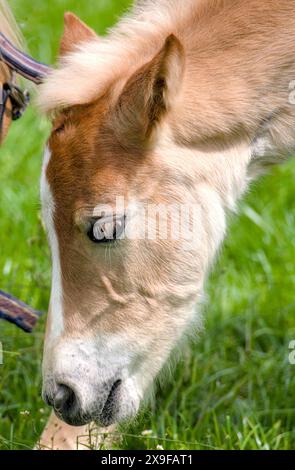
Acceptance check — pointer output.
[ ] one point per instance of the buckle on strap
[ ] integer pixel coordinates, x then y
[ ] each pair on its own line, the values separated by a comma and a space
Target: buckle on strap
19, 100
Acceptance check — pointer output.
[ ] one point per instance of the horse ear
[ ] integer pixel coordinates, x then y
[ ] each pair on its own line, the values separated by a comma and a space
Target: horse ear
148, 95
75, 31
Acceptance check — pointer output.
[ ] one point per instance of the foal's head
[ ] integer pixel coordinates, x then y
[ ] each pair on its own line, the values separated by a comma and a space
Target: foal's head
116, 191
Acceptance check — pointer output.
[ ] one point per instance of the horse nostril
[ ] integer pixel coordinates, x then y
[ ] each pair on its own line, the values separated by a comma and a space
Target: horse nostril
64, 399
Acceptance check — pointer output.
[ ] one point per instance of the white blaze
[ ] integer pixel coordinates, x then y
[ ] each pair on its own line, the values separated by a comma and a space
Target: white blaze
48, 206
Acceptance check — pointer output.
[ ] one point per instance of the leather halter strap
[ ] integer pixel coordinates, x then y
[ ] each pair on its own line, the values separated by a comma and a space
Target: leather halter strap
25, 66
21, 63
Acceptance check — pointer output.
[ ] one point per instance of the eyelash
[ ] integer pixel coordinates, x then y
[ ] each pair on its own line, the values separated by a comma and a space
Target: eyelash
59, 129
107, 230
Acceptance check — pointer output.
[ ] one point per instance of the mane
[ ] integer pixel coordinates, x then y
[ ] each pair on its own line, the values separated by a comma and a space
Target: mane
84, 74
8, 24
9, 28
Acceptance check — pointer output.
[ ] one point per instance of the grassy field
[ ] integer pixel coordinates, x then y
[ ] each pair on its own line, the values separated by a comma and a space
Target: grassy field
234, 388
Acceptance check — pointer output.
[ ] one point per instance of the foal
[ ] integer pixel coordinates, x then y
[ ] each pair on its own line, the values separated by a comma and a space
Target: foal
57, 434
181, 105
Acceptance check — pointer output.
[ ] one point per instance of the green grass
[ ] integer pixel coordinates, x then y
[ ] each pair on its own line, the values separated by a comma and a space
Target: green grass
233, 388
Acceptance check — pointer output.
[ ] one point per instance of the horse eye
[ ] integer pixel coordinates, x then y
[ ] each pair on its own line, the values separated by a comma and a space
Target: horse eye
59, 129
106, 230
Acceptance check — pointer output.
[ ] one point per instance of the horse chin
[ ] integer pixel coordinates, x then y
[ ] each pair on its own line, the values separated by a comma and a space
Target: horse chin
122, 405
